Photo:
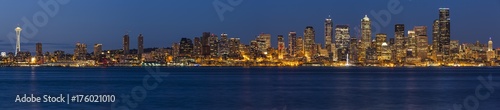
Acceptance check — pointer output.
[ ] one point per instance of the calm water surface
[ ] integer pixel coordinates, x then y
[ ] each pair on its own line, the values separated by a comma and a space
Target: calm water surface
238, 88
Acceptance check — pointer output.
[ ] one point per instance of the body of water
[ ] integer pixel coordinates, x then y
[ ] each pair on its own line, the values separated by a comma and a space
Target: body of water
259, 88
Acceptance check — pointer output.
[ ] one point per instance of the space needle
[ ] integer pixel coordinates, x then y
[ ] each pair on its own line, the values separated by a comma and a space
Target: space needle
18, 42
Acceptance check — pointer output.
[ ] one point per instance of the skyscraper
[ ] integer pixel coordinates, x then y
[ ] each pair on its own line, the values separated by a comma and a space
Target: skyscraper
328, 34
266, 38
18, 40
126, 44
490, 45
205, 45
435, 36
281, 46
444, 32
352, 50
309, 41
292, 43
80, 51
380, 38
39, 51
342, 36
343, 39
399, 41
223, 45
300, 47
420, 30
97, 50
197, 47
366, 37
185, 47
175, 49
234, 48
490, 54
422, 46
412, 43
140, 46
213, 42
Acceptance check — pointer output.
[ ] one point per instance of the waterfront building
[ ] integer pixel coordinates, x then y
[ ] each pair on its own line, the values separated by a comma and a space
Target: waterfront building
80, 52
126, 44
292, 43
328, 34
399, 42
140, 47
366, 35
185, 47
309, 42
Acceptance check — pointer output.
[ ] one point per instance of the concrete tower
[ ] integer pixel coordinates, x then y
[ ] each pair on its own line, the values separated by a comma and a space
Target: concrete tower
18, 42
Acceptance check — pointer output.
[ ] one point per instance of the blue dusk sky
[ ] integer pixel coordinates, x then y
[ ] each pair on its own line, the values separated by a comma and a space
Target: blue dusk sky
163, 22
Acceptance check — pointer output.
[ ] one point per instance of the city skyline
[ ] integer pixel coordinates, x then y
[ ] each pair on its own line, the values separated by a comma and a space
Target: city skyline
246, 34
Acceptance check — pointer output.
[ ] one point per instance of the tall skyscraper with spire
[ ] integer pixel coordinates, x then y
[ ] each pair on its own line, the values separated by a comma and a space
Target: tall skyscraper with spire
328, 33
490, 54
366, 33
18, 39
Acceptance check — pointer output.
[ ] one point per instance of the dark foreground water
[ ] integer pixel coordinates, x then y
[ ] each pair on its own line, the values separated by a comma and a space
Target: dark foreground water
237, 88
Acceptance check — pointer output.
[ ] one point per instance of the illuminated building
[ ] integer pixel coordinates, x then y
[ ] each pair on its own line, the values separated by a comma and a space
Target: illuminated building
126, 44
444, 32
185, 47
205, 45
366, 35
352, 50
422, 46
140, 47
197, 47
18, 40
175, 49
300, 47
234, 48
420, 30
454, 49
281, 46
39, 51
342, 39
399, 42
80, 52
292, 43
97, 50
412, 43
342, 36
385, 54
213, 42
223, 45
267, 40
309, 41
380, 39
490, 53
328, 34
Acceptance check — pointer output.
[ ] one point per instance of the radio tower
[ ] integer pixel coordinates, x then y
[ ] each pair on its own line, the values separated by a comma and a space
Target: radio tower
18, 42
